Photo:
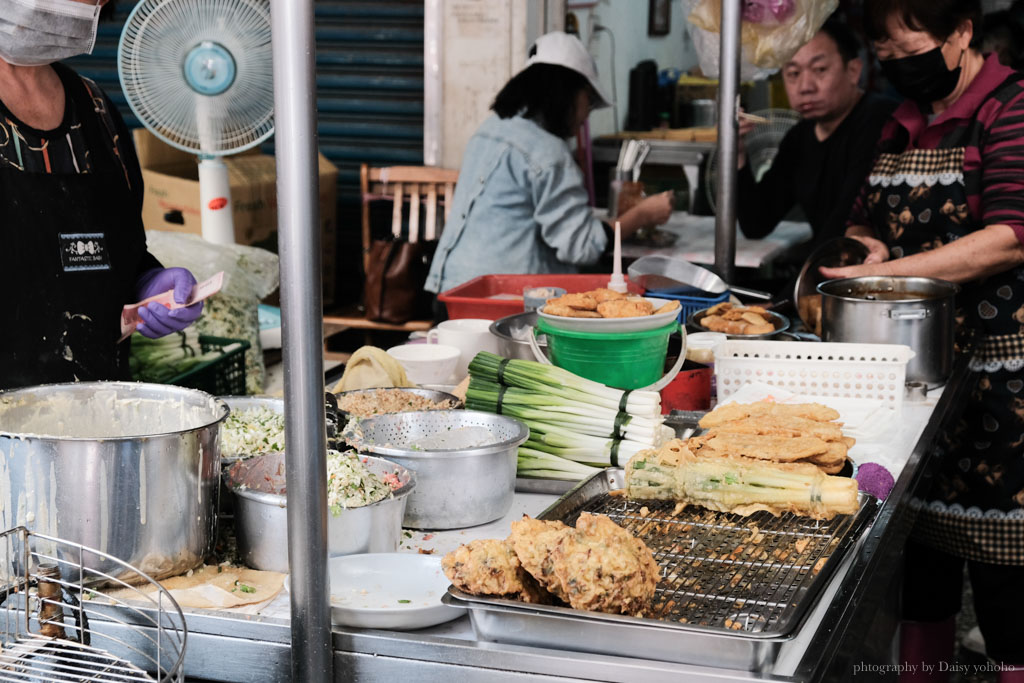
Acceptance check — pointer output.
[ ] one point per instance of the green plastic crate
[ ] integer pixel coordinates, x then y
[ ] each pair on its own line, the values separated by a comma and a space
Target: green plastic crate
222, 376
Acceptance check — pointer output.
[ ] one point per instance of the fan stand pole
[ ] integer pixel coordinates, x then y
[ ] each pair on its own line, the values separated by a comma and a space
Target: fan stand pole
302, 336
728, 135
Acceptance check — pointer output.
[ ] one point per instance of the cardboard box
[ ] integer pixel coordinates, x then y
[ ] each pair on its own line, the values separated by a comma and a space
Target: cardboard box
171, 201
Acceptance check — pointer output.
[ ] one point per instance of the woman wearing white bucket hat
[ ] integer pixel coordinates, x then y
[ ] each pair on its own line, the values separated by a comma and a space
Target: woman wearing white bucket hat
520, 205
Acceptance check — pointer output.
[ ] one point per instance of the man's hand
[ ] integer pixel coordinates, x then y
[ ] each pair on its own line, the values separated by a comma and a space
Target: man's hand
746, 125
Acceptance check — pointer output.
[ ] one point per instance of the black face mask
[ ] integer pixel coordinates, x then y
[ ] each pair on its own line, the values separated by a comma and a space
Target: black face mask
923, 78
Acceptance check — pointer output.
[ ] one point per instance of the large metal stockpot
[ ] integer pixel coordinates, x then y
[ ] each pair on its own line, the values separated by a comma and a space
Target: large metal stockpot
130, 469
915, 311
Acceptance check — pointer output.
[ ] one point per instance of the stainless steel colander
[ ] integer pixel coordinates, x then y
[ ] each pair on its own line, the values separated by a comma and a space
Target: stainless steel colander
465, 462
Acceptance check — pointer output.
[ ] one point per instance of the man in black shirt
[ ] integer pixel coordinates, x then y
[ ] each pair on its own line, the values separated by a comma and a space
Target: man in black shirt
823, 160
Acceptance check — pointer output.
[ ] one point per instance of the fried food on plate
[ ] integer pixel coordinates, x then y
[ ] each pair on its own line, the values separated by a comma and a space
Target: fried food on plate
578, 300
569, 311
739, 411
600, 566
625, 308
668, 307
777, 448
725, 317
534, 541
491, 567
604, 294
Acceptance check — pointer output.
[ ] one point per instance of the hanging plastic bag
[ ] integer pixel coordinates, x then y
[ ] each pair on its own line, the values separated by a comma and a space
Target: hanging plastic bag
770, 33
250, 273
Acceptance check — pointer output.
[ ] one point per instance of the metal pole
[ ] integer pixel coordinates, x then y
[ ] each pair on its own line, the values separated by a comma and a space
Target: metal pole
302, 336
728, 134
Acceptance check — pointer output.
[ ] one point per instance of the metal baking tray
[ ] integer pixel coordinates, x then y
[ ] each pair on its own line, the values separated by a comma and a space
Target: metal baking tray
733, 589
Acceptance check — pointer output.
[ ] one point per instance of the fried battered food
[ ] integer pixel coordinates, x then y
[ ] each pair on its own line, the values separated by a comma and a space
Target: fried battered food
491, 567
784, 426
579, 300
604, 294
602, 567
534, 542
761, 447
625, 308
668, 307
731, 483
739, 411
725, 317
569, 311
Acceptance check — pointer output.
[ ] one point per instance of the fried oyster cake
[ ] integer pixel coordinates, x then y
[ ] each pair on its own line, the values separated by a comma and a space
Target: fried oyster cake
534, 541
490, 567
602, 567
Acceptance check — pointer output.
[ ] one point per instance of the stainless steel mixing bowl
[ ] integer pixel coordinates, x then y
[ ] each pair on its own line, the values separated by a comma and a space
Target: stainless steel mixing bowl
464, 460
261, 520
129, 469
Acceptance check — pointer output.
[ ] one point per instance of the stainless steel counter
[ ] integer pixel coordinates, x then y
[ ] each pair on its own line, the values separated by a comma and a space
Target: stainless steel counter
854, 622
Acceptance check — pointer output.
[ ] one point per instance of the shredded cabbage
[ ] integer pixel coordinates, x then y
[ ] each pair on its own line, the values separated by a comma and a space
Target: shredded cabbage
350, 484
252, 431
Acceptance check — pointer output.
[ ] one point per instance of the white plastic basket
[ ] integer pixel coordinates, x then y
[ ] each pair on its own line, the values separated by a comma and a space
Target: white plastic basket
872, 371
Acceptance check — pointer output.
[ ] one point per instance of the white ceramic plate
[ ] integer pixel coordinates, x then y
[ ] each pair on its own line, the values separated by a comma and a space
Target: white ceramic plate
400, 591
637, 324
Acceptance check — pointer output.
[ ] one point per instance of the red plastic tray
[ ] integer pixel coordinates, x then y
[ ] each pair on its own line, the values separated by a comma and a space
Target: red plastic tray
477, 298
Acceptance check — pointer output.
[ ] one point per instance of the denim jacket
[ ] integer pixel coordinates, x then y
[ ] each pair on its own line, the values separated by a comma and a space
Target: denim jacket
519, 207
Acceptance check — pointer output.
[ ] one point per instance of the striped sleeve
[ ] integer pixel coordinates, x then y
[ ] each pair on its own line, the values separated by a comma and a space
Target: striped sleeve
1002, 168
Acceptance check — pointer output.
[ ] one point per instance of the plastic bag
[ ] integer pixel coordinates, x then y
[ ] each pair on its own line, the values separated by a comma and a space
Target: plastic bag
771, 32
250, 273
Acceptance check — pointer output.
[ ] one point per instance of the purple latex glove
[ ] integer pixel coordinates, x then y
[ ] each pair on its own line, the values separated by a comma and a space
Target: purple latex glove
754, 11
874, 479
158, 320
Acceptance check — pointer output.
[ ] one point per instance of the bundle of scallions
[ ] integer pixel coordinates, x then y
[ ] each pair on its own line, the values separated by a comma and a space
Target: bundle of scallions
576, 425
158, 360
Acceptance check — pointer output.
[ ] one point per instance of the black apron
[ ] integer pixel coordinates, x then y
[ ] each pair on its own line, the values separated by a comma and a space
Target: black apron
72, 245
976, 507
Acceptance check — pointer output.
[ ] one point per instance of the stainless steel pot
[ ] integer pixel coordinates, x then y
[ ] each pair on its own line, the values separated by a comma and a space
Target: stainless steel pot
129, 469
464, 460
915, 311
261, 521
510, 332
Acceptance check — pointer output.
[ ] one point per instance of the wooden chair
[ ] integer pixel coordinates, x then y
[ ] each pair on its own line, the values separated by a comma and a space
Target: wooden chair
423, 188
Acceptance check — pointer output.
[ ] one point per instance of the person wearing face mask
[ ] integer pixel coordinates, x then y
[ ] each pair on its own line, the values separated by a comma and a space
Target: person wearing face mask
74, 250
945, 199
520, 205
824, 158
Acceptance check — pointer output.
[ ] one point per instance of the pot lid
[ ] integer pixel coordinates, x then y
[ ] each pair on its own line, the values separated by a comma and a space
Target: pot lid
833, 253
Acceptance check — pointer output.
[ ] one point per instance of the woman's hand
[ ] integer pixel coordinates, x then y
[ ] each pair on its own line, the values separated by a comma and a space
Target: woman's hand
878, 251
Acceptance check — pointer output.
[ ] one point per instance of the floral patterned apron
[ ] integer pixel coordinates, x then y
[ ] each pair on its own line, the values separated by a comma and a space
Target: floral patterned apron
917, 202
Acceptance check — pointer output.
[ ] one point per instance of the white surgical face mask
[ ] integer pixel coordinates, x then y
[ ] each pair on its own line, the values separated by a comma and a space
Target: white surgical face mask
37, 32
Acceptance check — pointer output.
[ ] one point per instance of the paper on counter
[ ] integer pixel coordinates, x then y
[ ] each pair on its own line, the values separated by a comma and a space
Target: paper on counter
130, 313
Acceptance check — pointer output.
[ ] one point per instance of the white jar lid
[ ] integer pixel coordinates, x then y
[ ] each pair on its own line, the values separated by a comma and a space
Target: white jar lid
704, 340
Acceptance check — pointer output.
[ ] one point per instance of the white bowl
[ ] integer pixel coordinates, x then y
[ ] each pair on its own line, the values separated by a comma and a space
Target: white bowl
427, 363
635, 324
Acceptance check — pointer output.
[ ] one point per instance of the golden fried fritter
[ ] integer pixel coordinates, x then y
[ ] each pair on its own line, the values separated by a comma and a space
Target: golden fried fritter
783, 426
491, 567
569, 311
600, 566
625, 308
739, 411
764, 447
578, 300
668, 307
534, 541
603, 294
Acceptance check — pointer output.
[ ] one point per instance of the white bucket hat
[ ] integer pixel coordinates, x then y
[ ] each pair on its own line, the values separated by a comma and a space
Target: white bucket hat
566, 50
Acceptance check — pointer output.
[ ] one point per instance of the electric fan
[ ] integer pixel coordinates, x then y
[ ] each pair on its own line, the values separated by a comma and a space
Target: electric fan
762, 143
199, 75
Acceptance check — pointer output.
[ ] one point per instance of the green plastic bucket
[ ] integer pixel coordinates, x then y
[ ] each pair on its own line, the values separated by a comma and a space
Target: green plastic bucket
624, 360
